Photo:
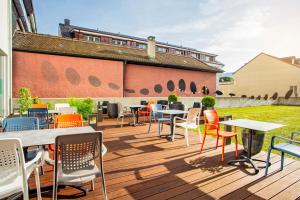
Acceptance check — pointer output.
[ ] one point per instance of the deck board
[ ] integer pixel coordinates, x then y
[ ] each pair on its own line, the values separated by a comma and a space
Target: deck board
139, 165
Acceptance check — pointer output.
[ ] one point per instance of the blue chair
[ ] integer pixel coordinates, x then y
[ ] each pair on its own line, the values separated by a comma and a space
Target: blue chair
289, 146
157, 116
22, 124
41, 114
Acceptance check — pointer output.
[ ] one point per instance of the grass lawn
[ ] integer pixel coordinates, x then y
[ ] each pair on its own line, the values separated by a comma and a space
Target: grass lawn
287, 115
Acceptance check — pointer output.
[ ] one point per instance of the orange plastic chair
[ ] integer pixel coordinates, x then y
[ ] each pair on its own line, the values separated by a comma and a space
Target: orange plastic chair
212, 127
66, 121
39, 105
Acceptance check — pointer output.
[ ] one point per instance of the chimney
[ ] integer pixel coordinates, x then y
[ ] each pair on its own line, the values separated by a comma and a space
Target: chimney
293, 60
151, 46
67, 22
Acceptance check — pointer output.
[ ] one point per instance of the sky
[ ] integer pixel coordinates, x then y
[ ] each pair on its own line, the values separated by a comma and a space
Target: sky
235, 30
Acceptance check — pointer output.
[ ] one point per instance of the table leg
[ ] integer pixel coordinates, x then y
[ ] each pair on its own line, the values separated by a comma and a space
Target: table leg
248, 159
137, 116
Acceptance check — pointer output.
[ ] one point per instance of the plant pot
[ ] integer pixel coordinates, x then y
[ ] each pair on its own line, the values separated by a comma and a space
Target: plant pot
257, 141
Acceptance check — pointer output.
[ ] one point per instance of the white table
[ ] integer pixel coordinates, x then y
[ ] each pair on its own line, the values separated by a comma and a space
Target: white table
253, 126
135, 110
45, 136
172, 114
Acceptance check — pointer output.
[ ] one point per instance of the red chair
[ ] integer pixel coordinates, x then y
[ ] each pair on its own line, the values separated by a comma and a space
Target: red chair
212, 127
146, 113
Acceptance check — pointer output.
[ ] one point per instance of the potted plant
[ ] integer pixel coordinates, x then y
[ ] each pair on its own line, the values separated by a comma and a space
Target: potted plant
172, 98
257, 141
25, 100
208, 103
36, 100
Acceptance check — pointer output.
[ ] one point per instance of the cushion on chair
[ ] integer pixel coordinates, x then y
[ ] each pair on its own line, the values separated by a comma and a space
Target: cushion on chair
288, 148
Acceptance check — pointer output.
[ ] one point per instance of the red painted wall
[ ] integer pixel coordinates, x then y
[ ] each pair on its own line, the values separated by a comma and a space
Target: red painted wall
138, 77
52, 76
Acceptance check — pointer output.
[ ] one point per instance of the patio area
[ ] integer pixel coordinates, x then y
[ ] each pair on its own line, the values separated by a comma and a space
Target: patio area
139, 165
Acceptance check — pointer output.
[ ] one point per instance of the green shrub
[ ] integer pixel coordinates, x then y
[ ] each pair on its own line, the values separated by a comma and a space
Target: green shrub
50, 105
25, 100
208, 101
84, 107
172, 98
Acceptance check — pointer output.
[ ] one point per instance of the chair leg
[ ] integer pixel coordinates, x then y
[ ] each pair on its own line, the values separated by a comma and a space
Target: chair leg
236, 147
162, 126
103, 185
199, 132
217, 142
92, 185
223, 148
122, 122
149, 127
186, 135
268, 161
173, 136
37, 183
158, 128
203, 140
282, 161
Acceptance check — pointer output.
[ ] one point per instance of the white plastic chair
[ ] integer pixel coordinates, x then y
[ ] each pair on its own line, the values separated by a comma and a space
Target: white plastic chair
57, 106
67, 110
123, 112
78, 166
14, 172
192, 121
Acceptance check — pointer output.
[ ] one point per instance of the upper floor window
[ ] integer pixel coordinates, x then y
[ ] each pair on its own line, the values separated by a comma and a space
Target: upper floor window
141, 46
178, 52
161, 49
96, 39
119, 42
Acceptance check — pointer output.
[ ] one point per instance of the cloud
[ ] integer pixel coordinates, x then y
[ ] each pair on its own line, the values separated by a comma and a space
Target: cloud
238, 30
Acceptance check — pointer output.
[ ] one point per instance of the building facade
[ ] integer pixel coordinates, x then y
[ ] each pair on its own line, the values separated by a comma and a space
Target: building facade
58, 67
14, 15
265, 76
92, 35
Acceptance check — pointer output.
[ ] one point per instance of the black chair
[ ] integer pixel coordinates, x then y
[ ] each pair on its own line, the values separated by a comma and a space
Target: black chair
177, 107
112, 110
164, 103
41, 114
104, 106
197, 105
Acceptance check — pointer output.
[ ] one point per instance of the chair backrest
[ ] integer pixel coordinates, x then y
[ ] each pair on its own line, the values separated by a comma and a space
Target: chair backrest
105, 103
68, 121
20, 124
120, 109
154, 109
78, 151
197, 105
67, 110
211, 120
178, 106
143, 102
12, 162
39, 105
61, 105
193, 115
41, 114
163, 102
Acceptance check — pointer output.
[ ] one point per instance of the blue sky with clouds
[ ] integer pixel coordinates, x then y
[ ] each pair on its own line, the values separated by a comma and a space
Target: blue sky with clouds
235, 30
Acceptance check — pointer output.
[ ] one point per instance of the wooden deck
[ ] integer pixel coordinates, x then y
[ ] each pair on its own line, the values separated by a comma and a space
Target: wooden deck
143, 166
